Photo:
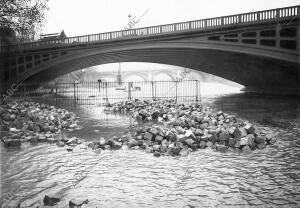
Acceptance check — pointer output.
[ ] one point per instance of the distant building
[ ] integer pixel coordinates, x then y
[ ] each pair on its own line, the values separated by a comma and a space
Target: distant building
53, 36
119, 76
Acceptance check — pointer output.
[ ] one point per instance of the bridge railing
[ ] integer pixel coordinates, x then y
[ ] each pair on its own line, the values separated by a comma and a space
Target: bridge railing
196, 25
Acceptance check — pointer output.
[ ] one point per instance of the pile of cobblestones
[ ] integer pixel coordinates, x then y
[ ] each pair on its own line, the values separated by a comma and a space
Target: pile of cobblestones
33, 122
177, 129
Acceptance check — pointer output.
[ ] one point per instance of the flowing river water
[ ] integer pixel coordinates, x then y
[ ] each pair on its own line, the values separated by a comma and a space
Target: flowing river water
133, 178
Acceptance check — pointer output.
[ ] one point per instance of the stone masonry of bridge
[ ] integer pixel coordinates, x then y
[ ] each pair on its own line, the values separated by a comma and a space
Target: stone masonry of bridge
259, 50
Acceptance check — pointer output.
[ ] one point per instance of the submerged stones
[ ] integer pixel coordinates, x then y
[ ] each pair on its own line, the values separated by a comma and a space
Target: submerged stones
33, 122
51, 200
12, 142
76, 203
177, 129
168, 128
12, 204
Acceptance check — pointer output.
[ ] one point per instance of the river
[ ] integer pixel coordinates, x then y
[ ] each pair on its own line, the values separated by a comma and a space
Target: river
133, 178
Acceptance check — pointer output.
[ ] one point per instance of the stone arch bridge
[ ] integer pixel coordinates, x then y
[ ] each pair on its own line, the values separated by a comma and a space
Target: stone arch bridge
259, 50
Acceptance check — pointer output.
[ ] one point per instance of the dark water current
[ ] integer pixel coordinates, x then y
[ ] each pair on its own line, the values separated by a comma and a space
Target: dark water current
133, 178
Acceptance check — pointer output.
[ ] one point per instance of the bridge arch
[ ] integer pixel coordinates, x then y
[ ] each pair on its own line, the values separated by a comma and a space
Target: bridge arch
259, 50
240, 67
243, 64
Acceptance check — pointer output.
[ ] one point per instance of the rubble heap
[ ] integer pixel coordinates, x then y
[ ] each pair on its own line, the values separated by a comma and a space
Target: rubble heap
33, 122
168, 128
178, 129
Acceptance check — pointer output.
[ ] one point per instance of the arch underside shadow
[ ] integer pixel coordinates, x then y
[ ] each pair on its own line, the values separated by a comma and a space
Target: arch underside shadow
257, 73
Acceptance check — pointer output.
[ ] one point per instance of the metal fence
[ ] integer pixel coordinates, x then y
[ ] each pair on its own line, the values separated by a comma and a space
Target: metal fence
108, 92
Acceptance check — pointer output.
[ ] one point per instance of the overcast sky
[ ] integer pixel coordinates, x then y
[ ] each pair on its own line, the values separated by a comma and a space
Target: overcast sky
79, 17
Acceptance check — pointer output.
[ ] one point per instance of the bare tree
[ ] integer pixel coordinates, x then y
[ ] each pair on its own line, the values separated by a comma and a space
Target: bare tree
25, 17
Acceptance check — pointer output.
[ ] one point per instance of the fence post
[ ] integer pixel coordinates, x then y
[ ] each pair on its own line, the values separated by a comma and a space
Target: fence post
197, 91
24, 92
106, 92
55, 94
99, 82
152, 83
74, 92
176, 89
155, 89
99, 88
129, 90
55, 89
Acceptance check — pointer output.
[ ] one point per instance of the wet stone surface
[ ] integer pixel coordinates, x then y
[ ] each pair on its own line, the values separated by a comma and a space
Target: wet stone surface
170, 129
181, 128
34, 122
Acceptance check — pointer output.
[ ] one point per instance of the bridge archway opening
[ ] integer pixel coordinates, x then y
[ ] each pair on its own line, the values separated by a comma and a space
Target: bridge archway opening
162, 76
134, 78
249, 70
210, 84
108, 79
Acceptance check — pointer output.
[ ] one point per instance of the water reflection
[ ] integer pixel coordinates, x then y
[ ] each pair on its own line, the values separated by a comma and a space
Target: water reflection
277, 111
96, 123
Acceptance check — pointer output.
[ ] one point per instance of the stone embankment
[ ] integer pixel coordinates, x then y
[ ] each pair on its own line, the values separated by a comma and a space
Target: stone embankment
33, 122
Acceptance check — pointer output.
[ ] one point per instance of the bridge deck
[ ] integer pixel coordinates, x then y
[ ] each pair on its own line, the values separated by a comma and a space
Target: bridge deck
259, 17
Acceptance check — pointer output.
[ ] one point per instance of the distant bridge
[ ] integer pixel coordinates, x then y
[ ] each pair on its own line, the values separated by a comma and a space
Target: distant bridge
145, 75
259, 50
